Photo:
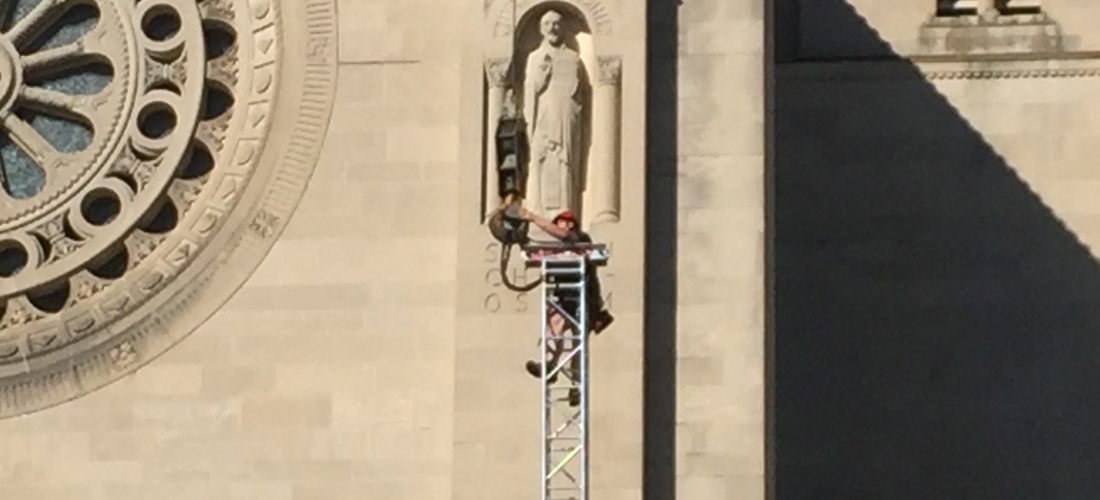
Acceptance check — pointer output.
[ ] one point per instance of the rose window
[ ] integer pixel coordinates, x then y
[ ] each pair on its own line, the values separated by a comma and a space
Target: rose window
132, 132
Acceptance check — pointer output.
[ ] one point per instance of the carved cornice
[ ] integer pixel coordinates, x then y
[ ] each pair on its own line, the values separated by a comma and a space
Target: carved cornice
610, 69
1078, 67
1011, 74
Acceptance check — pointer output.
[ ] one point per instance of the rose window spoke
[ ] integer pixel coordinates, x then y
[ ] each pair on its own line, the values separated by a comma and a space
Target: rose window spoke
59, 104
27, 138
37, 19
53, 59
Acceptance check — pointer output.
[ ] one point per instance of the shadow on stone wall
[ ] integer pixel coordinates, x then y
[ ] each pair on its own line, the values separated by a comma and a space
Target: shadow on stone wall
938, 326
659, 473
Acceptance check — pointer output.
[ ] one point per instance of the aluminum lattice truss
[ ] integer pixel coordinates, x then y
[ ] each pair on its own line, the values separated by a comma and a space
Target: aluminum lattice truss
565, 422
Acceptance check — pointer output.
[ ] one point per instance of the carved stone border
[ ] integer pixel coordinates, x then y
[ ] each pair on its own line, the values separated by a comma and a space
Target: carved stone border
499, 15
303, 106
955, 70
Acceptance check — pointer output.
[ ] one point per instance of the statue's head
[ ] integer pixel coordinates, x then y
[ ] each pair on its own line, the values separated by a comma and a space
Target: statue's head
550, 27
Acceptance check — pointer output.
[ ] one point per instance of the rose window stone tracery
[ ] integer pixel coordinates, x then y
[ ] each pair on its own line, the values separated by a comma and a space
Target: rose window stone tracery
134, 163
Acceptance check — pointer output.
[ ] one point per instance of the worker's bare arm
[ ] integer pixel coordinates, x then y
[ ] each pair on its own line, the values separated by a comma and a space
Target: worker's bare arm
547, 226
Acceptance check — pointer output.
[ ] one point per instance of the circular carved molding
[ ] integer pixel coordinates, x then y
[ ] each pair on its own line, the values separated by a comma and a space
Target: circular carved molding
153, 151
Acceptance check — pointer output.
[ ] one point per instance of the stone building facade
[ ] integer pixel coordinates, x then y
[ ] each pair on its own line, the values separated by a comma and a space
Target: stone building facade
243, 251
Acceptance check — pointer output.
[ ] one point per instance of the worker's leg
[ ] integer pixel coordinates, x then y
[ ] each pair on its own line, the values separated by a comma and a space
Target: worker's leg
557, 341
598, 315
593, 291
554, 345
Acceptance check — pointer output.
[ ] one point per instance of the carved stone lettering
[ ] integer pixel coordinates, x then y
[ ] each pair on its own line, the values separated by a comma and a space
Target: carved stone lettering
492, 278
492, 252
493, 302
506, 301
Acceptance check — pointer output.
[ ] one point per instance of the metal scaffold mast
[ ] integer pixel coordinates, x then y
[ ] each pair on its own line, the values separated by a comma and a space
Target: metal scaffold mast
564, 387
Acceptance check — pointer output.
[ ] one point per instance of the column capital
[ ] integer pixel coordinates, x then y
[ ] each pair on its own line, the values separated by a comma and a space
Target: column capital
496, 71
610, 69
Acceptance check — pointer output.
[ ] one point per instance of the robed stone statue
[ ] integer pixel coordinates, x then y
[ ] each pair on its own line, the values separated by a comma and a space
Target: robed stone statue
553, 100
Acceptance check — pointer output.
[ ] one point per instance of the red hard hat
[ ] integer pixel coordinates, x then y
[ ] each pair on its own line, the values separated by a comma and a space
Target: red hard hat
565, 215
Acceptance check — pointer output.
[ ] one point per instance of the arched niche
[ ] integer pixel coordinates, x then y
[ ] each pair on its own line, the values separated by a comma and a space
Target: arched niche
502, 15
586, 26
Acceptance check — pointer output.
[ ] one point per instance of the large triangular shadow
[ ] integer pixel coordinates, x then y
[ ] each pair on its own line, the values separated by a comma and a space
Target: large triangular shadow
937, 326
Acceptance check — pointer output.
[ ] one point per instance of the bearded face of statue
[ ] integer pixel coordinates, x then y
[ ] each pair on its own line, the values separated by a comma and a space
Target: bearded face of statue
550, 27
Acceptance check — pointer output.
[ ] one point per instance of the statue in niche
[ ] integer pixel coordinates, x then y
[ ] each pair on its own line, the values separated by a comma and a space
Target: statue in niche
555, 96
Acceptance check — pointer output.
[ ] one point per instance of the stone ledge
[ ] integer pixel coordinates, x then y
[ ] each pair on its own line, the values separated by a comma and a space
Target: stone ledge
978, 35
1066, 65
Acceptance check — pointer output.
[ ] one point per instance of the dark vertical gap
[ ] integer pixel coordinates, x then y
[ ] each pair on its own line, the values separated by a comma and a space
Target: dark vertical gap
784, 34
776, 48
659, 417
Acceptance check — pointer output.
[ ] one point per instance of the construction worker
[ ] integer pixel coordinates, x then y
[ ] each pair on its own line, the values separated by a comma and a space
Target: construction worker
564, 227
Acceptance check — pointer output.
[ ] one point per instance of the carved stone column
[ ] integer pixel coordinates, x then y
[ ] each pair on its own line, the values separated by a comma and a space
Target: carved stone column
603, 161
496, 71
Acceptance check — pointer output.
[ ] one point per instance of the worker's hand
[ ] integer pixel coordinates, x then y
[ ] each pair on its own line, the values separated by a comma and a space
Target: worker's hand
525, 214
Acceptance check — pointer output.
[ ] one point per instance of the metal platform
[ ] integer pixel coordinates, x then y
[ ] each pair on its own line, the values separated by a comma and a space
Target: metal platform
536, 253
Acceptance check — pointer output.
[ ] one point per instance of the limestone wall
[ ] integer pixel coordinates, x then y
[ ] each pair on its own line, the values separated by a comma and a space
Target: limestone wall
720, 256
